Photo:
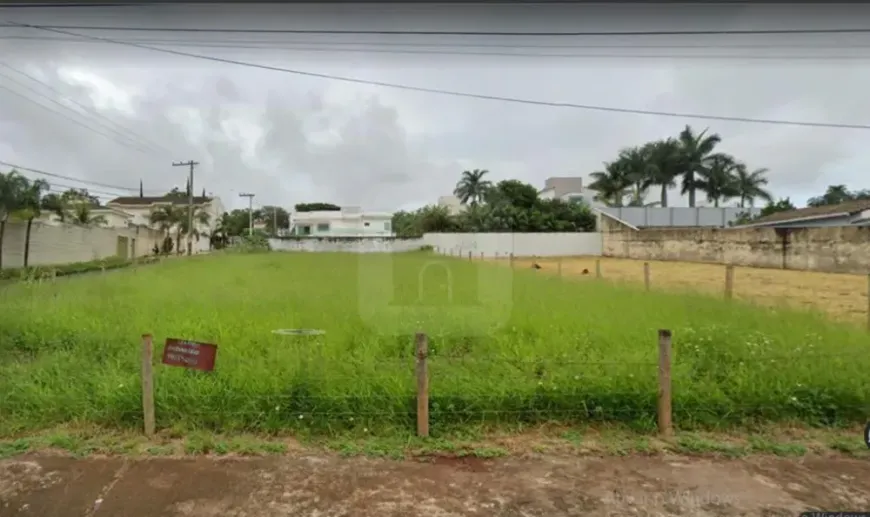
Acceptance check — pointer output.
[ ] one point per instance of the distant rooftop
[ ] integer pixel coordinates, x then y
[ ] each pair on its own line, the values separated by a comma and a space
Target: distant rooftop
813, 212
148, 200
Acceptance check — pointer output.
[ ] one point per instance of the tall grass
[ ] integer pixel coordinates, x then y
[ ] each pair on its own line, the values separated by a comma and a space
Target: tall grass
534, 348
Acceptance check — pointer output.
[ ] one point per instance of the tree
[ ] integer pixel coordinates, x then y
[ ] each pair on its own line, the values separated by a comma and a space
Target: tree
512, 192
663, 165
177, 193
12, 184
610, 184
29, 204
471, 188
782, 205
200, 218
174, 217
272, 214
317, 207
750, 185
82, 214
55, 204
836, 194
166, 218
717, 179
694, 157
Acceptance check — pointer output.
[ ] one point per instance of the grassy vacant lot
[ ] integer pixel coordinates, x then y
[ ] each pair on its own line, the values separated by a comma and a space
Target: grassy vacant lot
509, 346
842, 297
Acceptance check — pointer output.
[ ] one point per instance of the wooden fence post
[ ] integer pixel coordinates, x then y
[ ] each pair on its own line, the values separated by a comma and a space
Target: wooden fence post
559, 266
422, 385
512, 260
729, 281
481, 256
148, 384
664, 398
646, 275
597, 268
469, 256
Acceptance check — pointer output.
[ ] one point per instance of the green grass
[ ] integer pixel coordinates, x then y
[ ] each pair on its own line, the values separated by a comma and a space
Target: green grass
512, 347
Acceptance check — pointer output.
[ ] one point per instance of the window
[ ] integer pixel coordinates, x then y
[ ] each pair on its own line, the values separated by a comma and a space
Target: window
323, 227
305, 230
387, 226
366, 224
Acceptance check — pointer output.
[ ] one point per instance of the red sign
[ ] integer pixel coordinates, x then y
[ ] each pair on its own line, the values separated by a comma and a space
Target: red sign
189, 354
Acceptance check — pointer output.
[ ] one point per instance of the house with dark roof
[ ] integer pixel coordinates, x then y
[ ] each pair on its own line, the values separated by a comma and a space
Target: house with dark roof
139, 210
851, 213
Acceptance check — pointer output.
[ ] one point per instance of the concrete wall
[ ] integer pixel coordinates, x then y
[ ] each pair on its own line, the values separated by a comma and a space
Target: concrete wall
831, 249
52, 244
347, 244
678, 216
520, 244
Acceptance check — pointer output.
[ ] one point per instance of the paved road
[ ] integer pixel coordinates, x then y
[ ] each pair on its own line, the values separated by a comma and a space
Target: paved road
329, 486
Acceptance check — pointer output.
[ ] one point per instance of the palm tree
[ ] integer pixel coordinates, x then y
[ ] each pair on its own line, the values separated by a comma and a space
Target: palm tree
57, 205
29, 206
750, 185
663, 165
695, 152
167, 217
610, 184
472, 187
634, 164
200, 218
717, 178
12, 184
82, 214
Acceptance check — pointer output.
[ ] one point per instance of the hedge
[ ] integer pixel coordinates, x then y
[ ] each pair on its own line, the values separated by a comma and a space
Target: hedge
74, 268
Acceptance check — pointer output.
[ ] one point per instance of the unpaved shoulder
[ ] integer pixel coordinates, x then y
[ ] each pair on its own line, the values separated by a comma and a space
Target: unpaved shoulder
331, 486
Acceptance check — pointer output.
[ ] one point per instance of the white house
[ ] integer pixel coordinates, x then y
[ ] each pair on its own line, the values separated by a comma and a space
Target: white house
347, 222
136, 211
568, 189
452, 203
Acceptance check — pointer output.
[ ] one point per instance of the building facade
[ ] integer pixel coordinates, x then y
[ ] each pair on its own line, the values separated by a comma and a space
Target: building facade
138, 213
568, 188
347, 222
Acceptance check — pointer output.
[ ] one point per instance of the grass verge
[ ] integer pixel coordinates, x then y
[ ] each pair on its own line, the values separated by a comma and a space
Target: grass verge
506, 348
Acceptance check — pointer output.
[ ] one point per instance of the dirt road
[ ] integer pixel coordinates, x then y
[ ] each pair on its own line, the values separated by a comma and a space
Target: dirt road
331, 486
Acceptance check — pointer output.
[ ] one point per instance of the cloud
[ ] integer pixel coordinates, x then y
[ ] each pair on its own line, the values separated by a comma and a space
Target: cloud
291, 138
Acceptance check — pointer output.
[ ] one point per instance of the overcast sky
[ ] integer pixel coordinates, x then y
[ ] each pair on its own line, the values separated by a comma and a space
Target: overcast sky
290, 138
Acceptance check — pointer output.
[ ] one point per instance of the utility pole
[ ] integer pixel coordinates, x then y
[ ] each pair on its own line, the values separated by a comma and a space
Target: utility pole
191, 164
250, 211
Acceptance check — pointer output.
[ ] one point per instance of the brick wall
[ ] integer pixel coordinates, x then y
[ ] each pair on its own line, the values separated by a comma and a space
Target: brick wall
63, 243
832, 249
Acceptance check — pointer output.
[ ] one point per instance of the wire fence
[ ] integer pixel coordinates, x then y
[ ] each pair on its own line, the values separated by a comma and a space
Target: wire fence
728, 272
429, 392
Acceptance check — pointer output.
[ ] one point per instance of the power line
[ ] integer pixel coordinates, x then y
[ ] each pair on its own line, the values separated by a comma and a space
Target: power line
61, 176
437, 52
421, 89
130, 135
226, 30
60, 113
451, 44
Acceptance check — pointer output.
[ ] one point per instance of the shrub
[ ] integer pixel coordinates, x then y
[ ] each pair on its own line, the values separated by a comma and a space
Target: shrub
73, 268
257, 242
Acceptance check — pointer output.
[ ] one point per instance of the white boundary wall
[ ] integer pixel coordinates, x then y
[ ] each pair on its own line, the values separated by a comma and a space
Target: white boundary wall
347, 245
520, 244
490, 244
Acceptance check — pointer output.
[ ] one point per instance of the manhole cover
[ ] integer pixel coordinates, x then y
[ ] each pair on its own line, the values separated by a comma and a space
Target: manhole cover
299, 332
